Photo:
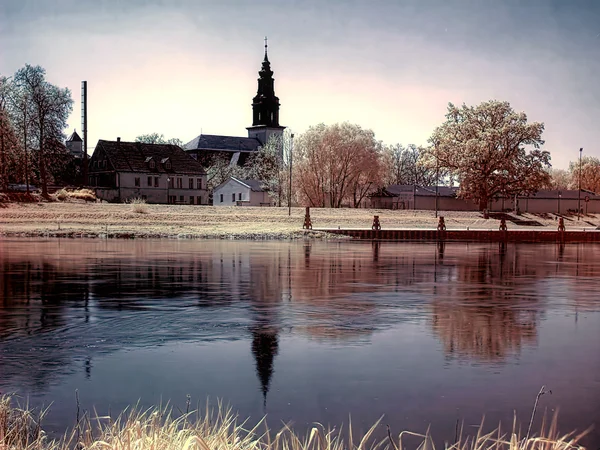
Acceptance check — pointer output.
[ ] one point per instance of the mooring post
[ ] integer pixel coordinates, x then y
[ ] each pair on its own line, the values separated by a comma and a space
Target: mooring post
561, 224
376, 225
503, 226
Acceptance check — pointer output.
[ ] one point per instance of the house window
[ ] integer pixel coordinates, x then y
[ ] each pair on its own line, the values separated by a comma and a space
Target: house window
233, 197
144, 197
149, 181
199, 200
104, 164
171, 182
198, 183
240, 196
181, 200
137, 181
191, 199
191, 183
221, 198
155, 181
179, 183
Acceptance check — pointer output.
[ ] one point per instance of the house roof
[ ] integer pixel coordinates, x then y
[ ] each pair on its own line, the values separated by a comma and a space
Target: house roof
429, 191
253, 185
421, 191
135, 157
74, 137
564, 193
223, 143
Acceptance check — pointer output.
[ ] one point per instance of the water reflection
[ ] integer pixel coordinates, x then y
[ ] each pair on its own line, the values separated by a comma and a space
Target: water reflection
64, 304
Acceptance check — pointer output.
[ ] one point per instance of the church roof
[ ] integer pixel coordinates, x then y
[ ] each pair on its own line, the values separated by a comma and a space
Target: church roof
135, 157
74, 137
223, 143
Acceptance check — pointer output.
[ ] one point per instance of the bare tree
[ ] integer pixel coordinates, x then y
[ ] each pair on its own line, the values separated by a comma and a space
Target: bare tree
50, 106
407, 165
590, 174
560, 179
267, 166
336, 164
155, 138
484, 147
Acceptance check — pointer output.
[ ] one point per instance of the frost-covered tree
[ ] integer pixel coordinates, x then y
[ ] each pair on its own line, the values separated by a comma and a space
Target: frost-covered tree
491, 150
155, 138
590, 174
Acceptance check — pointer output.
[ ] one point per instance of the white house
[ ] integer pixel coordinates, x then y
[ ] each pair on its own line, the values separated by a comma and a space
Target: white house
157, 173
234, 192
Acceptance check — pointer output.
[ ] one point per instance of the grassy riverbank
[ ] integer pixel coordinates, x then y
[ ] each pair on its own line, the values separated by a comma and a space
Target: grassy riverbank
70, 219
159, 429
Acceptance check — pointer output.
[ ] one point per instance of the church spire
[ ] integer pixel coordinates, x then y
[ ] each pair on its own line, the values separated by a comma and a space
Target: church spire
265, 105
266, 47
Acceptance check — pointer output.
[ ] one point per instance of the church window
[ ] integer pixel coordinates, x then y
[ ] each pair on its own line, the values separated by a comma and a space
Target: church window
271, 117
258, 116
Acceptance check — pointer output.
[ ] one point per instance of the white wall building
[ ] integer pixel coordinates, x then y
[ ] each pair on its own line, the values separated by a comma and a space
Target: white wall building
234, 192
157, 173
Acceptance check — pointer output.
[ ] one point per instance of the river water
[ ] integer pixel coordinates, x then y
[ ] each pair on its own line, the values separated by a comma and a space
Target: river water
305, 332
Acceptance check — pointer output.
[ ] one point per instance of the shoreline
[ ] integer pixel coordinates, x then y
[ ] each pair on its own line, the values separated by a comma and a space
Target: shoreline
75, 220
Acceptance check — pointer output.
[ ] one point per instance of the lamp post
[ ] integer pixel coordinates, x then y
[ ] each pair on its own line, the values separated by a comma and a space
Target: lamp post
437, 179
168, 183
290, 185
579, 193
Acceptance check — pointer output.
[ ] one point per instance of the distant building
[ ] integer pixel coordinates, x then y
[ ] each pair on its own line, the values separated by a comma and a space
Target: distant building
157, 173
423, 198
74, 145
265, 123
234, 192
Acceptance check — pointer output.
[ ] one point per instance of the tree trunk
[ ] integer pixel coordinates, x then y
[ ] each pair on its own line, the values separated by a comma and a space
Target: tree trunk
483, 203
3, 172
42, 159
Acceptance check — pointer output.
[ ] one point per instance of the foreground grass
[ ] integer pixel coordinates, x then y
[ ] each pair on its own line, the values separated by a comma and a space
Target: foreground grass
72, 218
158, 429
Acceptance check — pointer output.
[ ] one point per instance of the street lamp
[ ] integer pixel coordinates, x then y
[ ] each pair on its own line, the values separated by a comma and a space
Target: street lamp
579, 193
168, 182
290, 186
437, 178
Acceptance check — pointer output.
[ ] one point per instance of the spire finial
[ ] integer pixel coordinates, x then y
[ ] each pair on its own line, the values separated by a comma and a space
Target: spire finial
266, 46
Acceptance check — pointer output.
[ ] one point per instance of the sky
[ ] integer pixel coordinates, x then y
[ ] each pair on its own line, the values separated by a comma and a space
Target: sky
183, 67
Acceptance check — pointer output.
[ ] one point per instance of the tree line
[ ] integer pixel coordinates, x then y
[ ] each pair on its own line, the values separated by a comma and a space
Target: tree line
33, 117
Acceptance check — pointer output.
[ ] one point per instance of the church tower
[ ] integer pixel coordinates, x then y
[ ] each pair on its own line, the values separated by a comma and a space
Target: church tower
265, 105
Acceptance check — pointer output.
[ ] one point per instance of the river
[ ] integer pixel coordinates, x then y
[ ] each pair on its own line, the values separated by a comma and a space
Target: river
309, 331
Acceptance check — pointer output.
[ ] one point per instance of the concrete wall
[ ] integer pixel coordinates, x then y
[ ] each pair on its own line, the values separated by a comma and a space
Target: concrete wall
248, 197
165, 192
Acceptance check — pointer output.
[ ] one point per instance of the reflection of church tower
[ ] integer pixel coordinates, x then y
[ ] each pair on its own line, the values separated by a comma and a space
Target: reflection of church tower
265, 105
265, 344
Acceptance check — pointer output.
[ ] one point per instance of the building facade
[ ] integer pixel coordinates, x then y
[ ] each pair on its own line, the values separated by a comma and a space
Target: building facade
74, 145
542, 202
234, 192
265, 125
158, 173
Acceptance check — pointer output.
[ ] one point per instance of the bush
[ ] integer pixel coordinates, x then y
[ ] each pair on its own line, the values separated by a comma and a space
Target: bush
138, 205
78, 194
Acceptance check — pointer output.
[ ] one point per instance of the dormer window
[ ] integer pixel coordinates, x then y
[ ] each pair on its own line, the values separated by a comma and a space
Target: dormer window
152, 164
166, 162
168, 165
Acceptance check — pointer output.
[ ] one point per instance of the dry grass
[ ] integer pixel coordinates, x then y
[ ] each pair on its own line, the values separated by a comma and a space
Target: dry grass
78, 194
138, 205
193, 221
220, 428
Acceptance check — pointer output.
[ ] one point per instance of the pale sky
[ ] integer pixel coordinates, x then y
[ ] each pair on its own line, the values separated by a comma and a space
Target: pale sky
183, 66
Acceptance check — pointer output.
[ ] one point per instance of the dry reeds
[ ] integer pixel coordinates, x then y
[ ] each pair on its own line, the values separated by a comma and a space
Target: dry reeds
219, 428
78, 194
138, 206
